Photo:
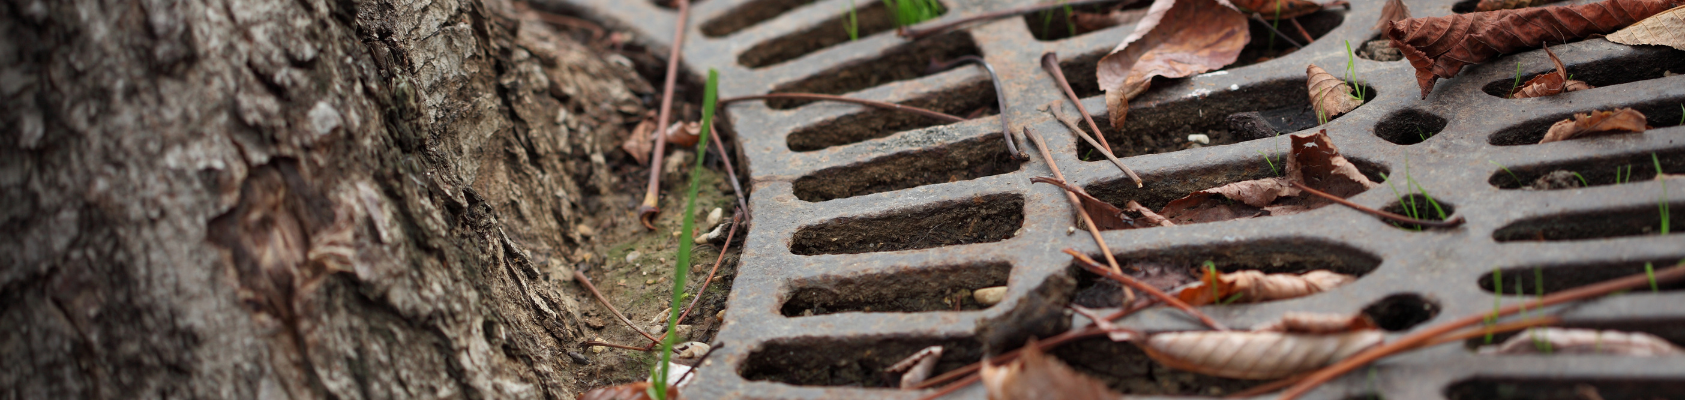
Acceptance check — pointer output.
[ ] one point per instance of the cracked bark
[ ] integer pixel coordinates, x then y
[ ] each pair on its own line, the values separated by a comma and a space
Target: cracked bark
294, 198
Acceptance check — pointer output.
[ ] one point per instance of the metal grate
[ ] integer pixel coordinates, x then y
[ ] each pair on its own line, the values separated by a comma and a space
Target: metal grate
866, 220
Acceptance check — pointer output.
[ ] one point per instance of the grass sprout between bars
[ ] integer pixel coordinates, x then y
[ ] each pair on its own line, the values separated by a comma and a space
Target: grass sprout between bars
681, 268
1411, 208
910, 12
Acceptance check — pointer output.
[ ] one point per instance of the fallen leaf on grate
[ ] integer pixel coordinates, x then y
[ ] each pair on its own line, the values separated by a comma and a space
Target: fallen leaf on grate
1330, 96
1314, 162
1324, 323
639, 144
1394, 10
1251, 286
1664, 29
1596, 123
1254, 355
1439, 47
1549, 83
1034, 375
1584, 341
1177, 38
915, 368
1277, 9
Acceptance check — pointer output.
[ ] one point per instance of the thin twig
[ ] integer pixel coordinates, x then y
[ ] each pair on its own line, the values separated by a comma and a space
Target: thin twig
580, 276
1091, 266
1050, 63
699, 361
1103, 150
916, 34
730, 173
1000, 100
652, 194
871, 103
1449, 223
1076, 203
1283, 36
736, 220
1423, 336
1302, 30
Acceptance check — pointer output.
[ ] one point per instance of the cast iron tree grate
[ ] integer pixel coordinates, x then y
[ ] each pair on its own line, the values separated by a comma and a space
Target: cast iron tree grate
793, 329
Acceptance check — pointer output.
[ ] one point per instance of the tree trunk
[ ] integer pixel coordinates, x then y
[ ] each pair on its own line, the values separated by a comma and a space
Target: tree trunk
294, 198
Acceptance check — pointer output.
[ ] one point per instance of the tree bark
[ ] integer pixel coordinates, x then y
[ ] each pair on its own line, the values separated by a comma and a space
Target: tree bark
294, 198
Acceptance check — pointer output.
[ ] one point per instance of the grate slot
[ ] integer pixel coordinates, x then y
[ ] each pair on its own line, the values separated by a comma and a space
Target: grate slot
967, 160
751, 14
983, 219
1593, 224
1645, 63
1563, 277
1409, 126
1056, 24
975, 97
1612, 170
1564, 388
1284, 104
1669, 329
859, 362
1126, 369
1660, 113
1260, 49
1172, 267
872, 16
904, 62
1162, 188
903, 290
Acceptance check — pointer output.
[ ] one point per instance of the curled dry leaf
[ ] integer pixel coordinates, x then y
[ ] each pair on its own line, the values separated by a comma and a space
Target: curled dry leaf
1251, 286
1664, 29
1314, 161
1596, 123
1549, 83
684, 135
1271, 8
1034, 375
1254, 355
1309, 322
915, 368
1495, 5
1177, 38
1330, 96
1394, 10
1584, 341
639, 144
1439, 47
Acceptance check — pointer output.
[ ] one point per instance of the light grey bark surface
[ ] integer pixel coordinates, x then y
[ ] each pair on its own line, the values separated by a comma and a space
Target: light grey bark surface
293, 198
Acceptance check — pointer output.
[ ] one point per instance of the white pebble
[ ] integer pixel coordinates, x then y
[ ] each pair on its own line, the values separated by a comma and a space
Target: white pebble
990, 295
1200, 138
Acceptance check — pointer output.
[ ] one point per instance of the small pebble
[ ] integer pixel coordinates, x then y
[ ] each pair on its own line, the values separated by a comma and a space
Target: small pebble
990, 295
720, 315
633, 256
691, 350
598, 349
579, 358
1070, 230
1199, 138
649, 282
584, 230
714, 217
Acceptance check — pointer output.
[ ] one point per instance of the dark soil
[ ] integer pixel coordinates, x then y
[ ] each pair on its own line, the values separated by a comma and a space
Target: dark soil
982, 219
967, 160
911, 290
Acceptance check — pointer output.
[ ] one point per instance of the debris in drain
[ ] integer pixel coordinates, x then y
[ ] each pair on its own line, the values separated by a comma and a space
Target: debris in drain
990, 295
688, 353
1439, 47
1380, 50
1583, 341
1313, 159
1200, 138
1655, 30
1250, 125
1394, 10
1549, 83
1255, 355
1185, 38
1596, 123
916, 367
1330, 96
1252, 286
1035, 375
1558, 179
1308, 322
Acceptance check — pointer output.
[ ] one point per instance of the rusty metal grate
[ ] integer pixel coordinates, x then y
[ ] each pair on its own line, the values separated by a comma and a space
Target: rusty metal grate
853, 204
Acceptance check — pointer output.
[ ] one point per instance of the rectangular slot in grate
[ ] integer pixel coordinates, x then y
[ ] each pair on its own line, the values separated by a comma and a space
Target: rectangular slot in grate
912, 289
983, 219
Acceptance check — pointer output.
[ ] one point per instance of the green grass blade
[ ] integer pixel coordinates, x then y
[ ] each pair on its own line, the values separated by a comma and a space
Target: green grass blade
681, 268
1661, 203
1511, 173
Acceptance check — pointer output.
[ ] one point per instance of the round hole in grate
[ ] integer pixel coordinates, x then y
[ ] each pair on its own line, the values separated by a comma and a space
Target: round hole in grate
1409, 126
1378, 48
1401, 311
1419, 206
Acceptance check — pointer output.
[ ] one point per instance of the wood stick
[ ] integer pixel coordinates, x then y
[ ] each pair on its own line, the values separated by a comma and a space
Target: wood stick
1103, 150
1450, 223
652, 194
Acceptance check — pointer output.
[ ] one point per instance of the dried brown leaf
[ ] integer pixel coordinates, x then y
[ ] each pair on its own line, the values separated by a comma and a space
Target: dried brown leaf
1271, 8
639, 144
1177, 38
1105, 215
1550, 83
1254, 355
1495, 5
1148, 217
1596, 123
1330, 96
1584, 341
1439, 47
1034, 375
1664, 29
1314, 161
915, 368
1394, 10
1251, 286
1309, 322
